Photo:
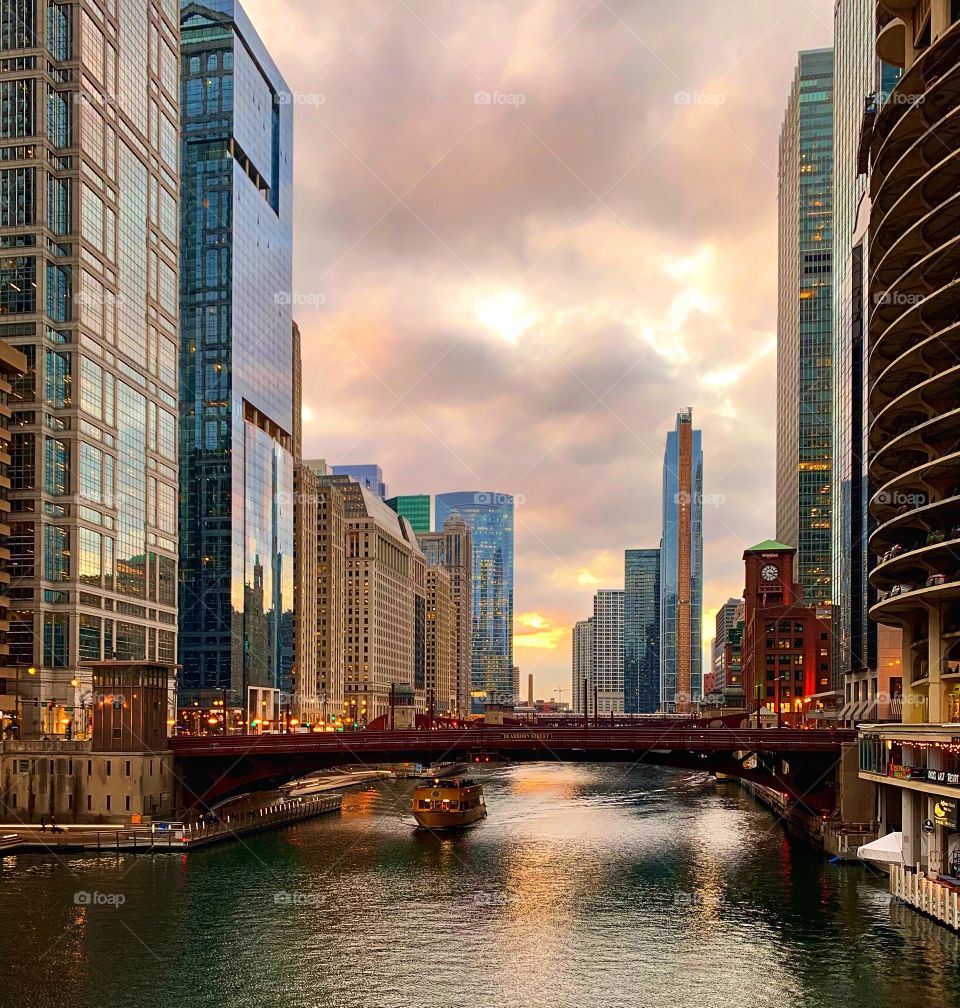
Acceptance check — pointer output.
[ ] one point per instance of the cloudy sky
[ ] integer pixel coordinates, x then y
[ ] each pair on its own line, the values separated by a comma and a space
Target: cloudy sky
527, 232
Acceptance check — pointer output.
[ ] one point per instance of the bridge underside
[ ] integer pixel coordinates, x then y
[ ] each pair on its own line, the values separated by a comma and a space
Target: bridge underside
807, 778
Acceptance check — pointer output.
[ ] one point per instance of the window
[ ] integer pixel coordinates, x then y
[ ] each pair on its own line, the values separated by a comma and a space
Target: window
18, 285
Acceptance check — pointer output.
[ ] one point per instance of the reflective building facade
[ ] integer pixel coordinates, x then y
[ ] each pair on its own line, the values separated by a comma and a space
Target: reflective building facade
681, 567
368, 475
805, 323
236, 401
88, 293
415, 508
641, 631
490, 517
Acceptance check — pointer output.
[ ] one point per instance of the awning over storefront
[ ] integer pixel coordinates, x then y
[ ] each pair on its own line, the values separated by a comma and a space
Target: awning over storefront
885, 850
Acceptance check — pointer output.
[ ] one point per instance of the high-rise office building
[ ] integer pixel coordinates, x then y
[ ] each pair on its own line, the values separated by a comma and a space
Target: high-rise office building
331, 589
415, 508
441, 643
452, 549
581, 682
607, 672
236, 397
641, 631
804, 323
725, 621
385, 607
681, 567
368, 475
861, 656
490, 517
88, 294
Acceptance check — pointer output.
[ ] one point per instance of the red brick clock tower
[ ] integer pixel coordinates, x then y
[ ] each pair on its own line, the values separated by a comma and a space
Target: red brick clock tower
786, 646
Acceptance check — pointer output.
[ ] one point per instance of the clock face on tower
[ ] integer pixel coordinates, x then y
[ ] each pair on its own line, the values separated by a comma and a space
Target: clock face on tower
769, 572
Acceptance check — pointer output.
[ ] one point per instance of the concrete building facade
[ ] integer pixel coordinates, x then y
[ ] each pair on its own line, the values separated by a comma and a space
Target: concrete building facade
910, 139
452, 549
581, 683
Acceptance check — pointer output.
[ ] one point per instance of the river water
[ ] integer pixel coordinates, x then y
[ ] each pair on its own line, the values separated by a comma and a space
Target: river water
587, 886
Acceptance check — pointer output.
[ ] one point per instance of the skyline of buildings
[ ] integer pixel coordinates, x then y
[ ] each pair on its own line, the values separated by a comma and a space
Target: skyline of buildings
804, 322
239, 428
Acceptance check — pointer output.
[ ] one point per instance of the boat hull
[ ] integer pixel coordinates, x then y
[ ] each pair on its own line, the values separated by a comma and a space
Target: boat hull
448, 820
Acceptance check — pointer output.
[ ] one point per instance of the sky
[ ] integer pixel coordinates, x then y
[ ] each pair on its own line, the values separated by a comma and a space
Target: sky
526, 235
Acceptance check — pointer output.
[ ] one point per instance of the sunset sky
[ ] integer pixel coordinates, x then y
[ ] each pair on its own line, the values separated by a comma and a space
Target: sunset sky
518, 294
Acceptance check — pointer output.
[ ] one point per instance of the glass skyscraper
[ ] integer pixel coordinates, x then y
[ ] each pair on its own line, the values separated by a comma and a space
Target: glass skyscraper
415, 508
681, 568
236, 397
368, 475
88, 293
805, 324
641, 631
490, 517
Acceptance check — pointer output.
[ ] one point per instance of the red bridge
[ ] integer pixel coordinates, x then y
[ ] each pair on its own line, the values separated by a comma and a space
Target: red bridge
800, 763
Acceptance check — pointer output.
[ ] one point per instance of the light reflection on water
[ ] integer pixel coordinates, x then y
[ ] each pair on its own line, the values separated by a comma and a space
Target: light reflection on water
585, 886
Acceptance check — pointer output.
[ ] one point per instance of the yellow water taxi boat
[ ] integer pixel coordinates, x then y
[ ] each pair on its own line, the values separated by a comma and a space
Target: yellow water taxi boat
448, 804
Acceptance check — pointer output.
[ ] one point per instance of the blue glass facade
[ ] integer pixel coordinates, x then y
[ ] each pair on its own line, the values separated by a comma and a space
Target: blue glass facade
490, 517
236, 350
681, 567
641, 631
367, 475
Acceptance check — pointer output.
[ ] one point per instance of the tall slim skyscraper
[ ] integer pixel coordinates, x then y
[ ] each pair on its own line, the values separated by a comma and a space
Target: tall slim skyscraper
607, 674
641, 631
368, 475
490, 517
581, 680
681, 567
452, 549
236, 401
805, 323
88, 293
415, 508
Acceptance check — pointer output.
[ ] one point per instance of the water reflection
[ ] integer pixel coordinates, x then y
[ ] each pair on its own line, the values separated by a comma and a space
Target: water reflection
587, 885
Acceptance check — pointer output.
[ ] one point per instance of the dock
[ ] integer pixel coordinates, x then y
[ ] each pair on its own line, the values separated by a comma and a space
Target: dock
163, 838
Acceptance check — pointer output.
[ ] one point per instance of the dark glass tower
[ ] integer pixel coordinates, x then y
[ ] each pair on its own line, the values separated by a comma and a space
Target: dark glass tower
236, 395
681, 567
641, 631
490, 517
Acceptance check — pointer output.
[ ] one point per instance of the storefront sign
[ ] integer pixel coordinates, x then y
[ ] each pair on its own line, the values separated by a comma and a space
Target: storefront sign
945, 812
942, 777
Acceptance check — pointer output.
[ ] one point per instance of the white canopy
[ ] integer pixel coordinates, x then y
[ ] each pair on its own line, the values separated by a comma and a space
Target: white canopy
886, 850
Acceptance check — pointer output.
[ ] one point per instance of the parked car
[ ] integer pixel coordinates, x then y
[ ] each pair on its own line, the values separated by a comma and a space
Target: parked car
936, 579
